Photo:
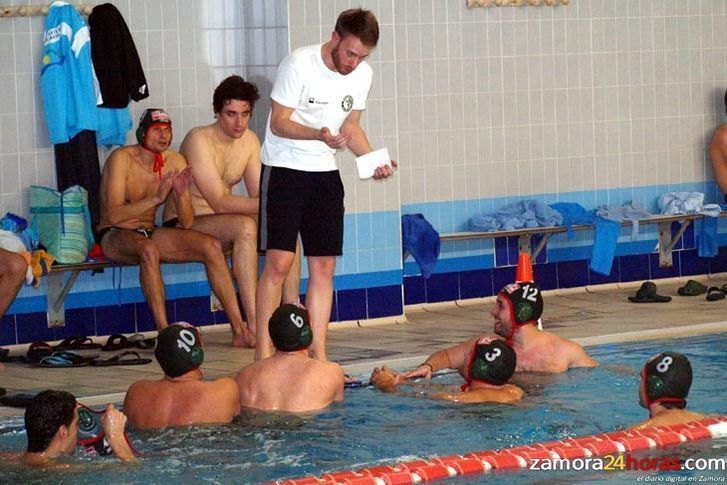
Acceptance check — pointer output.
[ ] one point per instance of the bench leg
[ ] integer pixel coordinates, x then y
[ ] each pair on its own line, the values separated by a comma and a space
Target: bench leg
56, 293
667, 242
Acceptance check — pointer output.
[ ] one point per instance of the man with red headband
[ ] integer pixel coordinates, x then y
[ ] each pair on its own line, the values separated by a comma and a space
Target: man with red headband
665, 382
516, 312
136, 180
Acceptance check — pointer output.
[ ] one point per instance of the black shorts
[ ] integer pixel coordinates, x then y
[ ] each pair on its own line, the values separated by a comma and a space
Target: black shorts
293, 201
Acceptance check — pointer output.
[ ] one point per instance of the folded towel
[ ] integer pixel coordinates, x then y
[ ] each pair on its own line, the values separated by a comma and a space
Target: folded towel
673, 203
421, 240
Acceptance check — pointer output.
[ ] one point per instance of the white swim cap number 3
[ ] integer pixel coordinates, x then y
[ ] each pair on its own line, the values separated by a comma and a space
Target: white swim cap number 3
297, 320
491, 356
186, 340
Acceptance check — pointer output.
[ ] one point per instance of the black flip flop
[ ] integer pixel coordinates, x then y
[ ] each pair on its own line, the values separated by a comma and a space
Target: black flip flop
116, 341
647, 294
140, 342
716, 294
16, 400
37, 351
692, 288
122, 359
77, 342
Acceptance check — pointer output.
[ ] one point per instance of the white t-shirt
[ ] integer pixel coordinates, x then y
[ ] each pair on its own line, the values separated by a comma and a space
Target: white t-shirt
320, 98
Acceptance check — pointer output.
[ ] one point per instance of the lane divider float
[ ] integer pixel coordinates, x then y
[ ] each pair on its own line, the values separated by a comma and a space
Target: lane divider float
520, 457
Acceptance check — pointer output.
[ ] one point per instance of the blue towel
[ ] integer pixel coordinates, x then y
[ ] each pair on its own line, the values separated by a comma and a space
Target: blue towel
113, 125
523, 214
708, 244
604, 245
573, 213
421, 240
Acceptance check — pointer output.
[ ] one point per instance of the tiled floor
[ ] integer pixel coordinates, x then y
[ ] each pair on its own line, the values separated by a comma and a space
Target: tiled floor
598, 315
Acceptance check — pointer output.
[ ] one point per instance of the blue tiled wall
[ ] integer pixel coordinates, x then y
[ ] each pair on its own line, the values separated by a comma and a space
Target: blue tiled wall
555, 275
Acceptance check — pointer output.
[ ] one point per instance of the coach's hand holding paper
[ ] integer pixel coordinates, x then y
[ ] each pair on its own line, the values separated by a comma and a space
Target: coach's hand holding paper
368, 164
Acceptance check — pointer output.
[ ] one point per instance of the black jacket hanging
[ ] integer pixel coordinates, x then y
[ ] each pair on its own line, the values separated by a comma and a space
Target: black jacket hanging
115, 59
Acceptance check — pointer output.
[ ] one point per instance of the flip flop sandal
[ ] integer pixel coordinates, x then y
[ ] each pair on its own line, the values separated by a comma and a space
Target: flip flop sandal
130, 357
77, 342
692, 288
647, 294
715, 294
140, 342
16, 400
37, 351
116, 341
66, 358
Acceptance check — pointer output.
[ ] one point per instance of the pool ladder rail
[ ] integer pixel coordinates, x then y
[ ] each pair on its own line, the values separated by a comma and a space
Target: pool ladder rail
520, 457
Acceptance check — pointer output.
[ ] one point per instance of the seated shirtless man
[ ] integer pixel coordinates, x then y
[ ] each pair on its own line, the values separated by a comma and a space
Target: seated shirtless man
665, 382
220, 156
290, 380
516, 312
136, 180
491, 363
181, 397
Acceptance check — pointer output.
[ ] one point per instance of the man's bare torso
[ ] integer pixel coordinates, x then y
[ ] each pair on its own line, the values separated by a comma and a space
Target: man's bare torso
157, 404
140, 182
267, 384
230, 162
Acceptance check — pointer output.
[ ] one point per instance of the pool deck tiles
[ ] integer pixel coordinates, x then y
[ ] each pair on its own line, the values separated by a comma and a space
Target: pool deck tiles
593, 315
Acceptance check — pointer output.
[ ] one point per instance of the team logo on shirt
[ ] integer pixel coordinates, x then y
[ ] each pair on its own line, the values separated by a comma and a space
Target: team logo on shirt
347, 103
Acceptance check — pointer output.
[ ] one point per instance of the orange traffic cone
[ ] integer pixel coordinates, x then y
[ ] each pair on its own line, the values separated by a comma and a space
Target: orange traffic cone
524, 268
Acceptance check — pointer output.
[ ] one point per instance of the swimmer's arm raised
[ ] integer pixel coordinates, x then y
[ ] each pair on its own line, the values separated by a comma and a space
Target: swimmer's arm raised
118, 210
183, 197
114, 423
208, 180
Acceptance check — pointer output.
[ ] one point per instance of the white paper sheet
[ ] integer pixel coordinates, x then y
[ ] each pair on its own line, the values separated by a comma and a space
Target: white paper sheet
367, 164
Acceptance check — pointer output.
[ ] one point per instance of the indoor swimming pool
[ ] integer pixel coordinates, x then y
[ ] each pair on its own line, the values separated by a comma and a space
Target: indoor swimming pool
373, 428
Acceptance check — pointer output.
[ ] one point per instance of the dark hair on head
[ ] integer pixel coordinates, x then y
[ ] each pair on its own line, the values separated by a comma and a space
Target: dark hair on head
48, 411
361, 24
234, 87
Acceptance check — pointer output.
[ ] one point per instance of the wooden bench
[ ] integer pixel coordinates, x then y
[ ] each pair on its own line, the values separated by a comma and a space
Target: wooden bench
667, 241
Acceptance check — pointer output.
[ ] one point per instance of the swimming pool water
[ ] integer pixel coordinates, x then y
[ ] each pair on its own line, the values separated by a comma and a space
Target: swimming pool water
373, 428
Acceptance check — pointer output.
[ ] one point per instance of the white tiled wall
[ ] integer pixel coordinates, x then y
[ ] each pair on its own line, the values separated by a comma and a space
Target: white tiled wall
530, 100
186, 47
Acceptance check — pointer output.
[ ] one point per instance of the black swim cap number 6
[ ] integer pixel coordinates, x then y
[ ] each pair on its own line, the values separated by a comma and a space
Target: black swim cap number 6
297, 320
